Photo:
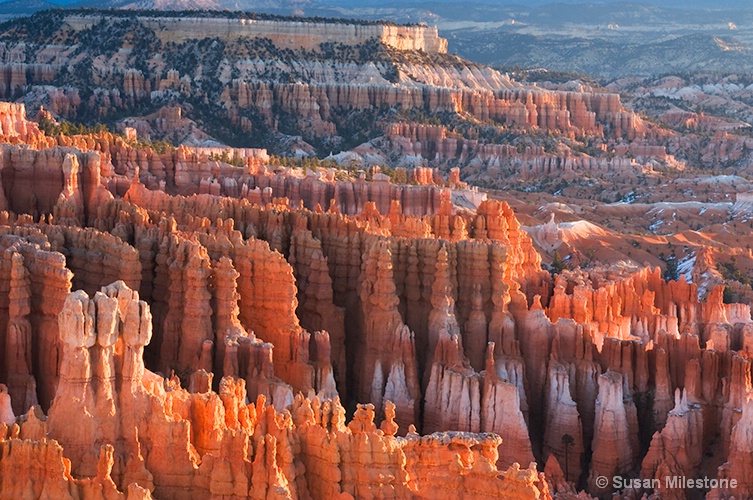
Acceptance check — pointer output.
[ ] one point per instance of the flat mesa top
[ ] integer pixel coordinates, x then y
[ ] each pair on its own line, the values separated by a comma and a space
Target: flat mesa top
289, 32
220, 14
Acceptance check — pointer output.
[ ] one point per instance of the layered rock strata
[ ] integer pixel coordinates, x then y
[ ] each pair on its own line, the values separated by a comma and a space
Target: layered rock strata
432, 318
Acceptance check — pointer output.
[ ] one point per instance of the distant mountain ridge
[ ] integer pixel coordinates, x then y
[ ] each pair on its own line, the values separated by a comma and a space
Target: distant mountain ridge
271, 6
445, 10
317, 87
605, 58
229, 4
15, 8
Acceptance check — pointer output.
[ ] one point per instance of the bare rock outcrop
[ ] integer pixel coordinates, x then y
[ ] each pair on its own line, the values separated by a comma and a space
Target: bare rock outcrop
152, 436
612, 444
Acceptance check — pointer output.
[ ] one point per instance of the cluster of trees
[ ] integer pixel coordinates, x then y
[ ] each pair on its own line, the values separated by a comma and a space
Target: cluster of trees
396, 175
159, 147
558, 264
308, 162
52, 129
356, 126
38, 28
221, 14
730, 271
225, 158
419, 57
263, 48
68, 128
107, 36
523, 74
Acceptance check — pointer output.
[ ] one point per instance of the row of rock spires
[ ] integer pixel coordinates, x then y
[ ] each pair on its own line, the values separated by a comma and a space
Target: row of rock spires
442, 320
485, 95
183, 341
322, 89
178, 348
137, 433
107, 160
569, 112
432, 142
187, 171
573, 114
451, 380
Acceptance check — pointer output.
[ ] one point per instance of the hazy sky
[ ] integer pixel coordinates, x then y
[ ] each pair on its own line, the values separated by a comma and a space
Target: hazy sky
715, 4
710, 4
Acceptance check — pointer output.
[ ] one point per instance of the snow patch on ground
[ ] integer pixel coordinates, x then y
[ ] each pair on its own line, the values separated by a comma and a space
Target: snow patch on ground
685, 266
346, 157
730, 180
657, 208
582, 228
556, 206
656, 225
703, 285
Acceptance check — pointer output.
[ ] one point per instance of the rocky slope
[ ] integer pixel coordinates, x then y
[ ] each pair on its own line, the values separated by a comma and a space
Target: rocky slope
358, 94
377, 93
386, 337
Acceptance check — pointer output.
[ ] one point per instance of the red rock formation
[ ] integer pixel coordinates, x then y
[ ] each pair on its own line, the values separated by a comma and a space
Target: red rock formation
564, 434
501, 413
266, 298
738, 465
316, 308
214, 444
18, 340
612, 444
453, 392
59, 181
386, 359
34, 296
15, 128
187, 323
38, 468
677, 449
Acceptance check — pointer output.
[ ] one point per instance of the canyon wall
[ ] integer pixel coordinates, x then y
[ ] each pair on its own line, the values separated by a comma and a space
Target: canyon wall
288, 34
307, 80
142, 274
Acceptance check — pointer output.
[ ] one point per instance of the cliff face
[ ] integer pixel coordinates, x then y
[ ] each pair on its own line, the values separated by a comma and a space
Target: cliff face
36, 282
285, 34
60, 181
15, 128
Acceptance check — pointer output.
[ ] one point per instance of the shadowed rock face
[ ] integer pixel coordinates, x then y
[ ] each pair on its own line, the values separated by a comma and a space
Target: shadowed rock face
46, 175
